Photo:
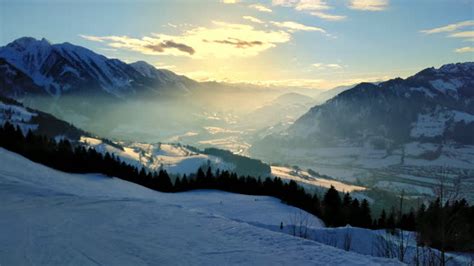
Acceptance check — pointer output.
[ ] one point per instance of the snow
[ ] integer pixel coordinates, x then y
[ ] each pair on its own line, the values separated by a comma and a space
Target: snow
18, 116
69, 69
409, 188
145, 69
423, 90
173, 158
33, 57
445, 86
218, 130
304, 177
55, 218
28, 55
435, 123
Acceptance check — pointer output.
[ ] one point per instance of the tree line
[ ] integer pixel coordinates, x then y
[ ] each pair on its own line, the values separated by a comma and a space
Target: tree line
449, 226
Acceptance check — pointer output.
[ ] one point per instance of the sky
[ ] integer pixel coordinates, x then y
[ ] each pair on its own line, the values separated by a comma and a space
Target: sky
307, 43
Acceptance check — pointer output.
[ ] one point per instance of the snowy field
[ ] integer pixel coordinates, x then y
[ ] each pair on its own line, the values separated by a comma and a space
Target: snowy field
302, 176
54, 218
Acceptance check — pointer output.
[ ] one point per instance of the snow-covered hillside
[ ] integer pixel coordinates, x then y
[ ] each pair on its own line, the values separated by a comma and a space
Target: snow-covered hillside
54, 218
36, 121
174, 158
303, 177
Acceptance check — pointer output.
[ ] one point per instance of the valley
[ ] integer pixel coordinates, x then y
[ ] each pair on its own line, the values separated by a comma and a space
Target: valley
237, 132
281, 126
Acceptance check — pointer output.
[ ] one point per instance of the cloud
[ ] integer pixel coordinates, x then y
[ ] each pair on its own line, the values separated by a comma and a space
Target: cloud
462, 34
91, 38
253, 19
160, 47
237, 43
303, 4
467, 49
160, 65
454, 33
261, 8
329, 17
322, 66
234, 40
312, 5
230, 1
450, 27
285, 3
295, 26
368, 5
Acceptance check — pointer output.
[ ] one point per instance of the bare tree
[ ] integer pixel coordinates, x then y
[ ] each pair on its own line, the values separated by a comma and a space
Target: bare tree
347, 240
402, 241
330, 239
383, 246
300, 222
446, 195
392, 245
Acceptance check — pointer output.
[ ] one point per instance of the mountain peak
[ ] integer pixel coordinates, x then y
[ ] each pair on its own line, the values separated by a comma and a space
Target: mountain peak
457, 67
448, 69
145, 69
142, 63
68, 68
25, 42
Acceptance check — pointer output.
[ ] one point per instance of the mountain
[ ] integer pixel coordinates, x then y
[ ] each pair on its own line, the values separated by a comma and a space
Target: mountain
435, 105
326, 95
285, 108
403, 126
60, 69
39, 122
163, 76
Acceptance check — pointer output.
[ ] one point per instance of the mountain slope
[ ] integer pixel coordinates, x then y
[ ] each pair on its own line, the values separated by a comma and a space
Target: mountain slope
397, 110
50, 217
15, 83
285, 109
39, 122
69, 69
401, 130
326, 95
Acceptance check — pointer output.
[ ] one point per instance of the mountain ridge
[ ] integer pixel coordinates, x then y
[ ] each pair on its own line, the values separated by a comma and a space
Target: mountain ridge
70, 69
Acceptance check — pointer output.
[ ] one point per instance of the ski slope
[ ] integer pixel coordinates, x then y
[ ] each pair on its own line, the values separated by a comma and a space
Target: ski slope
54, 218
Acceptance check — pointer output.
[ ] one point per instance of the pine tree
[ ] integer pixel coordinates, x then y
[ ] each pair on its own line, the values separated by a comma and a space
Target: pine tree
366, 218
332, 208
382, 221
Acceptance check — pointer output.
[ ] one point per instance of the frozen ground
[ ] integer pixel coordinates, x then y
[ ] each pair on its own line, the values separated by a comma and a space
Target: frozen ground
54, 218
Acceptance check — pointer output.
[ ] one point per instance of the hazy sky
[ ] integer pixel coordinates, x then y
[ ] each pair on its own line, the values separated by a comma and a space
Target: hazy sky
313, 43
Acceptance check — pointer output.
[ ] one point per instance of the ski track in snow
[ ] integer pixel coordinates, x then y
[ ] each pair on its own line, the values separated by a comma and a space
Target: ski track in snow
54, 218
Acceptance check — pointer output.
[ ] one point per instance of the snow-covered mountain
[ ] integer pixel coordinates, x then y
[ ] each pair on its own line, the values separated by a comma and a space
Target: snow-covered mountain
435, 105
69, 69
407, 128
